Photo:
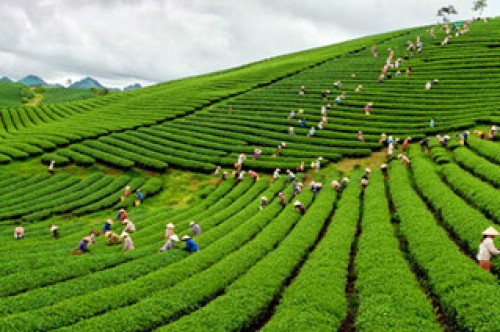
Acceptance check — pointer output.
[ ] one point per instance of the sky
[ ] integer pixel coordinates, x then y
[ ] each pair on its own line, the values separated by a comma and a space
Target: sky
120, 42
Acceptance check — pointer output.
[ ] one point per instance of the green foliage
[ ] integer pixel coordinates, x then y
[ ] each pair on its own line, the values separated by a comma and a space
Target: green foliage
453, 277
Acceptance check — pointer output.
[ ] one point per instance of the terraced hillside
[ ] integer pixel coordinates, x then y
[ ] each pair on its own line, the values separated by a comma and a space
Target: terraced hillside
399, 255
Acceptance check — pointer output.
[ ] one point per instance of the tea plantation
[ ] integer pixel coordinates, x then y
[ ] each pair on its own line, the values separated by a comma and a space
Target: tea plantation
399, 255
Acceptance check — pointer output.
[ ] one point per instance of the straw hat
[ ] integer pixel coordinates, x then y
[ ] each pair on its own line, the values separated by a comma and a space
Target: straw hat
185, 237
491, 231
109, 221
170, 225
122, 210
191, 223
174, 238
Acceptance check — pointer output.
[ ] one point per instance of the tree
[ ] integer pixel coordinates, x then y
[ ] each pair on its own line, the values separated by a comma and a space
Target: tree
479, 5
445, 12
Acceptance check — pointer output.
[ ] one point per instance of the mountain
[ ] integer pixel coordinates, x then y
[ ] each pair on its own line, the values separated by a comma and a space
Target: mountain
5, 79
87, 83
32, 80
132, 87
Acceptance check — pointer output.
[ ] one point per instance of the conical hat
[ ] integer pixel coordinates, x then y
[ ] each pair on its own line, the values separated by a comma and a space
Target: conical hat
491, 231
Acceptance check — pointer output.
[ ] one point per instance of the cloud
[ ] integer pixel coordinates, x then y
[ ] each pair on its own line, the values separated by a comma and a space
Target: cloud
124, 41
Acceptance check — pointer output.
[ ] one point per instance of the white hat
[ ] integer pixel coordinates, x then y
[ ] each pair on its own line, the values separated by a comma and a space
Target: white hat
170, 225
124, 234
185, 237
191, 223
296, 203
491, 231
122, 210
368, 170
174, 238
110, 221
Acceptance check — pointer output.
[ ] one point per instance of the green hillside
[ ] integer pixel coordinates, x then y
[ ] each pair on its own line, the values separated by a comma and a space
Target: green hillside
12, 94
399, 255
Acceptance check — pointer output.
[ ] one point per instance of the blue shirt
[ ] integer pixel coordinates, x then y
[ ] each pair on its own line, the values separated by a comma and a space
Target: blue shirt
139, 195
107, 227
191, 246
83, 246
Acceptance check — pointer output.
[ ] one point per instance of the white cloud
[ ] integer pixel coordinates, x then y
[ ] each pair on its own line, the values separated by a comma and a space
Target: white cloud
124, 41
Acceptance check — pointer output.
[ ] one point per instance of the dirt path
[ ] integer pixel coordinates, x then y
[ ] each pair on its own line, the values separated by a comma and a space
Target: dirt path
36, 100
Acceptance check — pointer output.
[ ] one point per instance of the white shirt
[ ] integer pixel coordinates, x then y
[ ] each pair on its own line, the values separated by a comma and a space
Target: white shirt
486, 248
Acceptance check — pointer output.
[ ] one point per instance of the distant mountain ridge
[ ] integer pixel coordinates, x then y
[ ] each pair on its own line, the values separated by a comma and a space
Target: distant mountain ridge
132, 87
32, 80
87, 83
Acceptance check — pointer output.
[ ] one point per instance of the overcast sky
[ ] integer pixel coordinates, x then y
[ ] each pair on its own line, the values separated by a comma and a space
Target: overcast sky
148, 41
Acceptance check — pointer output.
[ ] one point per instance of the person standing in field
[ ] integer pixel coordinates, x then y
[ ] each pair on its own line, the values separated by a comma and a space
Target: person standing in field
51, 167
127, 191
55, 231
263, 202
487, 248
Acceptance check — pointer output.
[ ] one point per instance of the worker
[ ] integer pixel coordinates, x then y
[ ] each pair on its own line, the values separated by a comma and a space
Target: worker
107, 226
364, 184
256, 154
384, 170
195, 227
493, 133
82, 247
19, 233
424, 145
404, 159
360, 137
128, 244
51, 166
170, 230
263, 202
191, 246
55, 231
301, 167
140, 196
122, 215
113, 238
217, 170
406, 143
300, 207
91, 237
344, 182
368, 108
291, 175
336, 185
129, 226
276, 174
254, 175
282, 198
170, 244
487, 248
127, 191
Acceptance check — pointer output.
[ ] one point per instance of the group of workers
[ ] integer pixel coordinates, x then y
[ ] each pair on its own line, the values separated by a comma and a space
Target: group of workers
129, 227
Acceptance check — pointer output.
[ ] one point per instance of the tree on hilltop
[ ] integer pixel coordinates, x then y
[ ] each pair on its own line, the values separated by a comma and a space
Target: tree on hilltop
479, 6
445, 12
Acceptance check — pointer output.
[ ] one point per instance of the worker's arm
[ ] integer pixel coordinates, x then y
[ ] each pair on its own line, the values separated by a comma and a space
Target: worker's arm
491, 247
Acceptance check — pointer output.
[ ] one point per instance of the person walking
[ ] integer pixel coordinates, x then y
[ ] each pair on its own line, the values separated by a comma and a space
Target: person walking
487, 248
